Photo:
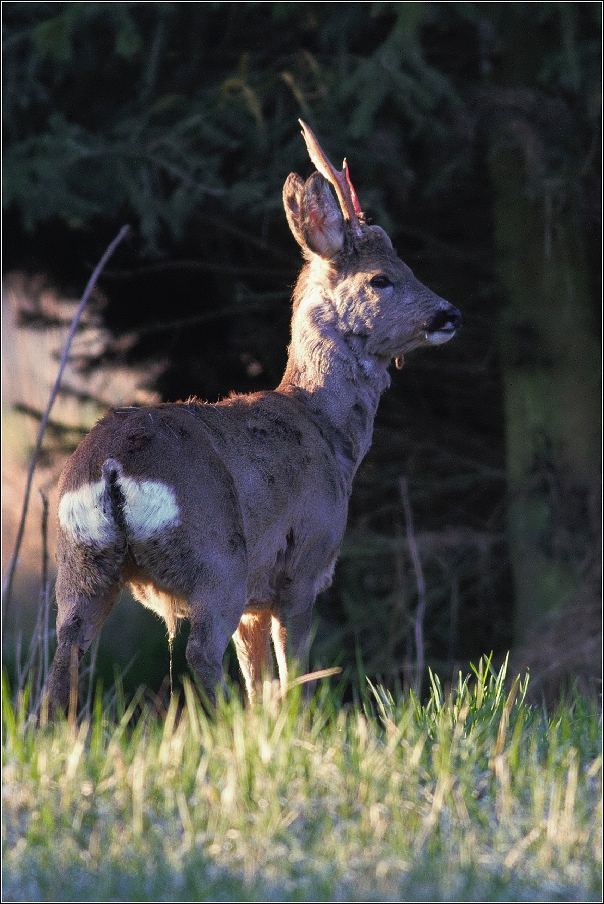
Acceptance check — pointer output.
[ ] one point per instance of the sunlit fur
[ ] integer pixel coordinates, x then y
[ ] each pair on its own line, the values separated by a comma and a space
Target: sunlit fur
232, 514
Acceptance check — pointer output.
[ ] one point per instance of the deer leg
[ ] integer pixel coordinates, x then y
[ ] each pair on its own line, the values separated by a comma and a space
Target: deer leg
291, 639
213, 623
279, 635
253, 649
88, 583
78, 623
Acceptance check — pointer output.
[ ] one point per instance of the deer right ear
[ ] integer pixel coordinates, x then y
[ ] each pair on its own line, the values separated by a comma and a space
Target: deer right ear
313, 215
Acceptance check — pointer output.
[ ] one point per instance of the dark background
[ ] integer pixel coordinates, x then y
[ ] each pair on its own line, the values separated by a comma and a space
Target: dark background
473, 135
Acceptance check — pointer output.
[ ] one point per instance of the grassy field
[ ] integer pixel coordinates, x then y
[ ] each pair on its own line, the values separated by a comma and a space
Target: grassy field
474, 795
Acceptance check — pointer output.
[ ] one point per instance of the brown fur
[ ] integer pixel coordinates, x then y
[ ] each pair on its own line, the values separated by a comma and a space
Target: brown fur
232, 514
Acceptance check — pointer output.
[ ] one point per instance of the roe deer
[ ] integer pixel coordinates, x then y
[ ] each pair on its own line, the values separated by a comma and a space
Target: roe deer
232, 514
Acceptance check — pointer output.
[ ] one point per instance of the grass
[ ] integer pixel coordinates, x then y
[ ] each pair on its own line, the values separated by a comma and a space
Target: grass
474, 795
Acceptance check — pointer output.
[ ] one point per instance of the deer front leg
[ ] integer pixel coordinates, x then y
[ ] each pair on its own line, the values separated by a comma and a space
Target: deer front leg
214, 619
252, 643
291, 640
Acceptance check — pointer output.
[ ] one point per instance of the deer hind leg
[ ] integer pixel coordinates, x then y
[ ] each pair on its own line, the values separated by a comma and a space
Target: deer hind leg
253, 649
86, 593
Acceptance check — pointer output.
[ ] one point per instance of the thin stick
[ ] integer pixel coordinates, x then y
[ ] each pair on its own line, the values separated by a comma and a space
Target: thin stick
46, 630
44, 600
44, 529
421, 587
10, 572
38, 646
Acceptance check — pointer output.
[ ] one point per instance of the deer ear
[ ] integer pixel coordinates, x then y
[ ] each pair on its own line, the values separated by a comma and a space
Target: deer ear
292, 201
379, 231
313, 215
321, 219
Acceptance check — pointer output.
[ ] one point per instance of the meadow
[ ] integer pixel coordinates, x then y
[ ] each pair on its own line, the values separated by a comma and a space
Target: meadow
471, 795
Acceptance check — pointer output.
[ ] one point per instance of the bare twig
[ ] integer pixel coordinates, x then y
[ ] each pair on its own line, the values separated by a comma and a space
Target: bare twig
10, 571
44, 529
421, 587
55, 426
43, 653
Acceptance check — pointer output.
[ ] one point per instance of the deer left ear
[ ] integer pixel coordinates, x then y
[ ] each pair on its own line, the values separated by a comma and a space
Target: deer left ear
313, 215
320, 218
292, 202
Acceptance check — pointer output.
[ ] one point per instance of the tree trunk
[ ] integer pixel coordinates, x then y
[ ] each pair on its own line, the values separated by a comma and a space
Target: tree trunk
549, 351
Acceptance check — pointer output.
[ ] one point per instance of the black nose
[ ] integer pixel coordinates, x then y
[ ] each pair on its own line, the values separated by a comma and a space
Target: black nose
447, 319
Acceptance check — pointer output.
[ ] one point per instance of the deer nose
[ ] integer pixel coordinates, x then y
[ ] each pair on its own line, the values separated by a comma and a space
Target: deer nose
446, 320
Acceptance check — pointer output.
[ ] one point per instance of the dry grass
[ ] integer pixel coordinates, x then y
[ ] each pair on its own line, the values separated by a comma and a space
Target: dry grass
474, 796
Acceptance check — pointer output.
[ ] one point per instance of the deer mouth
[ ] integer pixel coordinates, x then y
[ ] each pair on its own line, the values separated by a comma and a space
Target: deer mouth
443, 326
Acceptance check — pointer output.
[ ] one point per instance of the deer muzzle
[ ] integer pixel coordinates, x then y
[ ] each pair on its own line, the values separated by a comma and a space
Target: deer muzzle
443, 325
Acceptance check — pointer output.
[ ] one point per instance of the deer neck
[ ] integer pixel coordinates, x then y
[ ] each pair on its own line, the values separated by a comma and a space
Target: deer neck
335, 378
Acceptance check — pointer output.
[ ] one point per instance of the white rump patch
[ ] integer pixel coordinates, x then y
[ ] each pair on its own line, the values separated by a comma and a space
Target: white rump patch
149, 507
82, 514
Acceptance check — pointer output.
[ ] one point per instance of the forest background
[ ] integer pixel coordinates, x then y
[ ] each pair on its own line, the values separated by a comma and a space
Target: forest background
473, 134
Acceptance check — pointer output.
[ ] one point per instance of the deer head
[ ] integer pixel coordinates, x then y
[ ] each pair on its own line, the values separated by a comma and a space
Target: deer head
375, 299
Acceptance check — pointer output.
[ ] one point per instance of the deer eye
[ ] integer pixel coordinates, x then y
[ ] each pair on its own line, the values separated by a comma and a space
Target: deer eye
380, 281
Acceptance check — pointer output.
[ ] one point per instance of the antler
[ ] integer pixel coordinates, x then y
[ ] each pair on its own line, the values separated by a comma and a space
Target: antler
340, 180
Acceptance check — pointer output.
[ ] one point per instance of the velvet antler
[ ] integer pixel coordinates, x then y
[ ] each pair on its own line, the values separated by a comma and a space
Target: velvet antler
340, 180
